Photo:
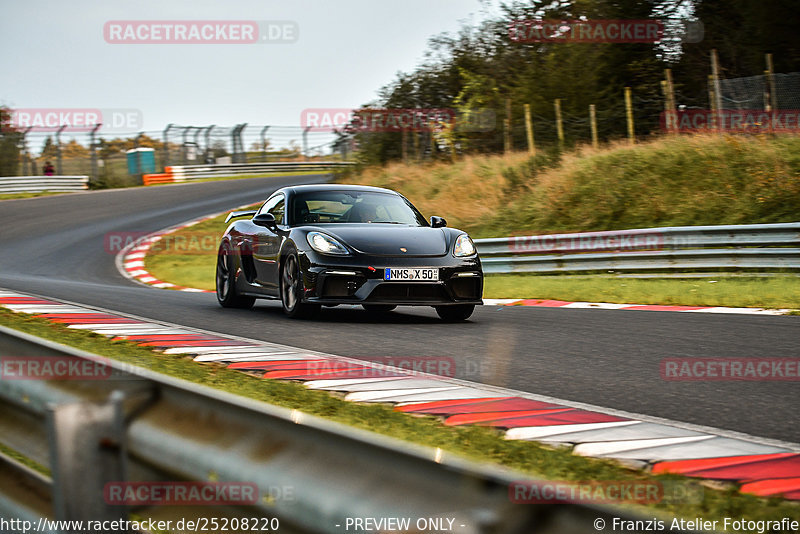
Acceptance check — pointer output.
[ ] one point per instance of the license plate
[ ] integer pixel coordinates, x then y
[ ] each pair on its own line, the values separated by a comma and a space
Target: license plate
415, 275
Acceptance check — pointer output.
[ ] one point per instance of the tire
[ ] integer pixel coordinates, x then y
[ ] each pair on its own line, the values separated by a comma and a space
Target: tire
227, 295
455, 314
378, 308
291, 288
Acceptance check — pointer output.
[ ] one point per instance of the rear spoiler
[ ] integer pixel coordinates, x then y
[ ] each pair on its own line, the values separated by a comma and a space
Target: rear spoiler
236, 214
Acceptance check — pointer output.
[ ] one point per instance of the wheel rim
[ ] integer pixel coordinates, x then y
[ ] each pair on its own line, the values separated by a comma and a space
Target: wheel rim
289, 283
223, 276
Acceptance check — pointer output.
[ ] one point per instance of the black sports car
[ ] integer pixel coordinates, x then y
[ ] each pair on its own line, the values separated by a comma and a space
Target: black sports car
315, 245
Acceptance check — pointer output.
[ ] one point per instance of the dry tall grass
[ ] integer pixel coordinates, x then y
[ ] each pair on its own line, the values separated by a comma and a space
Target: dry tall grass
676, 180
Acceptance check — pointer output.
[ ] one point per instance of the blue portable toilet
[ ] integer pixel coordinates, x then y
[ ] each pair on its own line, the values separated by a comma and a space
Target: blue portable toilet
147, 161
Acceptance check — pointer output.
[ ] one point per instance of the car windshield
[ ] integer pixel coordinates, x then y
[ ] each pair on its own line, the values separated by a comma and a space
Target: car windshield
354, 207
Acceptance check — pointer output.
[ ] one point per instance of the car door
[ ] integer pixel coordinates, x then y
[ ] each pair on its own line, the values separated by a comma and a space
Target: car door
267, 244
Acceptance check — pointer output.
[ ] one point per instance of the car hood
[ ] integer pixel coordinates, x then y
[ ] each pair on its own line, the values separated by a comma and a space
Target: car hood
389, 239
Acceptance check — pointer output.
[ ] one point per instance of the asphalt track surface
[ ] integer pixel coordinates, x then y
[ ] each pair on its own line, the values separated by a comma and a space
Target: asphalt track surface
54, 246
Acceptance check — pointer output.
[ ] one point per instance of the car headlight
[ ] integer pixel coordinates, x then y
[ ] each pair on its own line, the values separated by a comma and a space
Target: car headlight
325, 244
464, 246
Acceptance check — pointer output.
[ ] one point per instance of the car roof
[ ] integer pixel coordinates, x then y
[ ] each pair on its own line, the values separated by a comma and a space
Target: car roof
336, 187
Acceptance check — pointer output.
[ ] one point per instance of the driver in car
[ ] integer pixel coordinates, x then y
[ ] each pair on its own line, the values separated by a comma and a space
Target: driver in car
364, 213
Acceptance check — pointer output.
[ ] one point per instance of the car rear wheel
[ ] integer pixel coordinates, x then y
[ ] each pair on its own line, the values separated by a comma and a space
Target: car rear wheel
291, 284
454, 314
227, 295
378, 308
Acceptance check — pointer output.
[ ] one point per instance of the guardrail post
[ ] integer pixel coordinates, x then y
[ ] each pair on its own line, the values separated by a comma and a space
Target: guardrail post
88, 450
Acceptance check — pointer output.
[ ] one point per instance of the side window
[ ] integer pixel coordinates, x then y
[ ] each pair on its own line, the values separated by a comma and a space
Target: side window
276, 206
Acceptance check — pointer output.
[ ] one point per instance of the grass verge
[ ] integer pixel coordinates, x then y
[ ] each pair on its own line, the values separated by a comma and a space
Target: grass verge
188, 257
12, 196
475, 442
760, 292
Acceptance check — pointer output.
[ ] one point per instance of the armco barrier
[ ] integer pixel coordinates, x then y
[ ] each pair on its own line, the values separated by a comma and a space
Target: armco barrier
725, 247
187, 173
309, 473
38, 184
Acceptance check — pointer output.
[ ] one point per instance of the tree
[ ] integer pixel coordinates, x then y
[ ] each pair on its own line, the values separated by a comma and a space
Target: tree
73, 149
49, 149
10, 140
258, 146
219, 149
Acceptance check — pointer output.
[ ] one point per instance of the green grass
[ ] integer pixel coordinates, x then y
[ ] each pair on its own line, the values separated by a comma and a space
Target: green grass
474, 442
760, 292
24, 460
11, 196
197, 268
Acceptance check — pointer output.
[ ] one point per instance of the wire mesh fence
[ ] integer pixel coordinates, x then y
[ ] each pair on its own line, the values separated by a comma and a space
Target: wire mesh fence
753, 92
120, 161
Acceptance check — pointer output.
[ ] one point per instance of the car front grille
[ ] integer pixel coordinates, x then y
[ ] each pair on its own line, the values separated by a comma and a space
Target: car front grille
411, 292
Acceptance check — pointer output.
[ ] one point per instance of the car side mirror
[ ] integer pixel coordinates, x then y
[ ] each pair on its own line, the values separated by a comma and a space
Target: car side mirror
438, 222
266, 220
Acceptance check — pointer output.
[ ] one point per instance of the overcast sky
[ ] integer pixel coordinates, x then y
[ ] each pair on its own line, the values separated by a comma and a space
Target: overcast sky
55, 55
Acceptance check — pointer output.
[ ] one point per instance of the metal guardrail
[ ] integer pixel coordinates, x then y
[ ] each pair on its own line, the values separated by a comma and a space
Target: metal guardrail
142, 426
38, 184
187, 173
724, 247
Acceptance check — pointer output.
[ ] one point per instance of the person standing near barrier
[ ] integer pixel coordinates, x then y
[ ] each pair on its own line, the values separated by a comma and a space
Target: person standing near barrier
49, 170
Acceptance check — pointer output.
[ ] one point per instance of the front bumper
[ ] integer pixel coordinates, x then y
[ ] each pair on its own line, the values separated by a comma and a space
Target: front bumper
350, 280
